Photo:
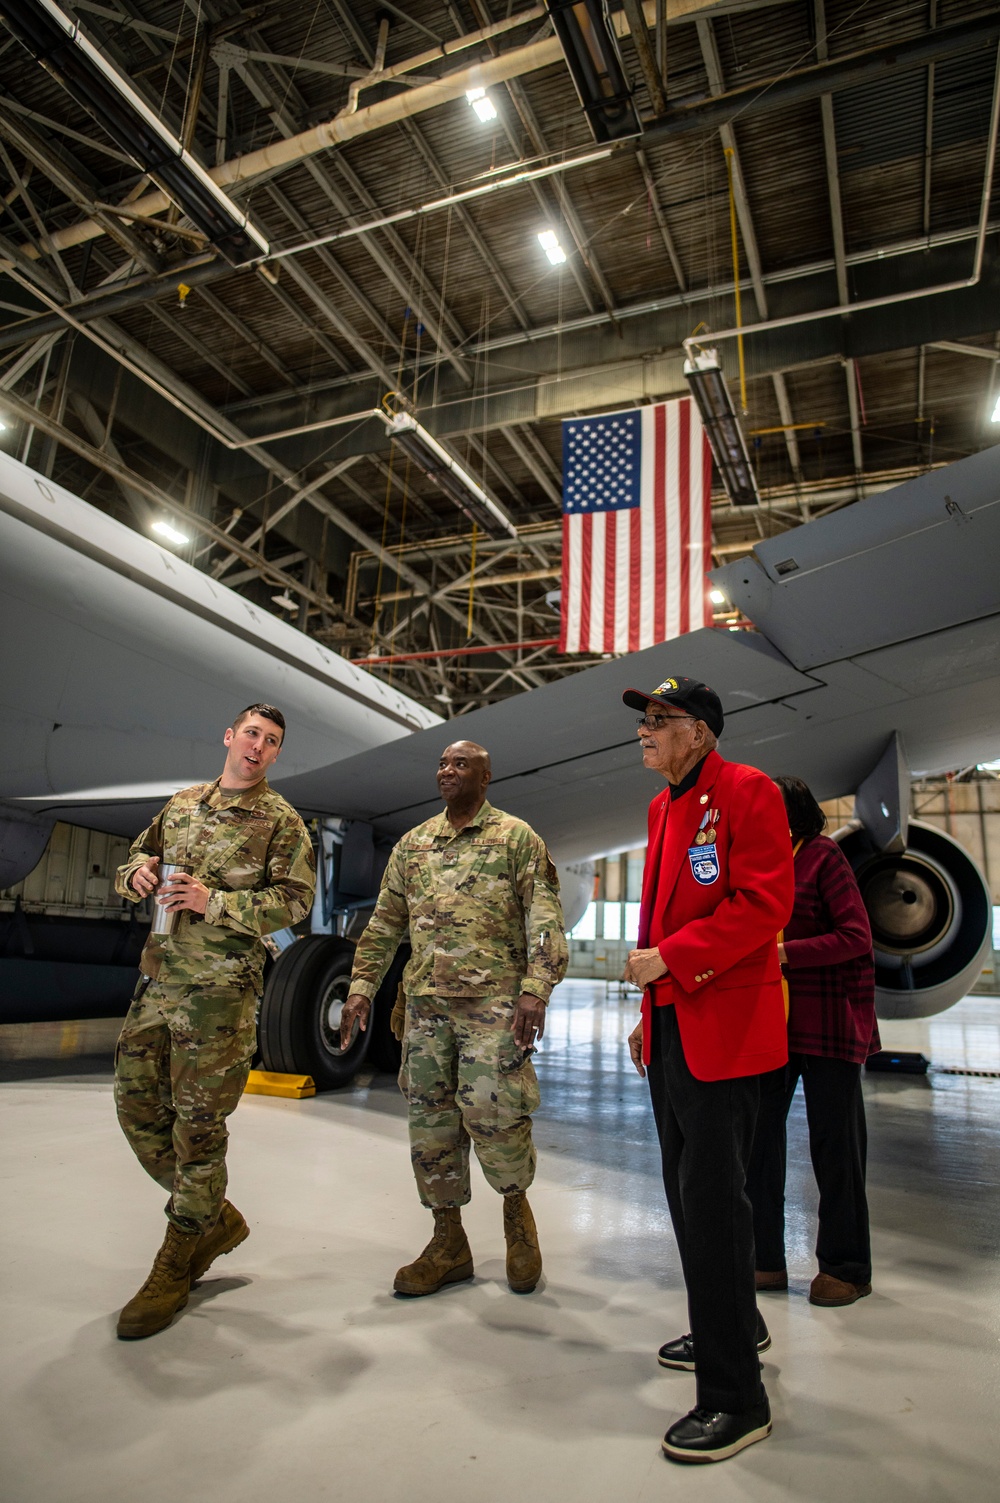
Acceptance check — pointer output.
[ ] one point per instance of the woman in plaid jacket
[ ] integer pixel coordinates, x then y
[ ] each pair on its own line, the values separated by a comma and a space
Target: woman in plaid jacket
827, 958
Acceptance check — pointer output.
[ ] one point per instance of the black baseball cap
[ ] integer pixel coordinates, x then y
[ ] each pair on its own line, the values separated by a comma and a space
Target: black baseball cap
687, 694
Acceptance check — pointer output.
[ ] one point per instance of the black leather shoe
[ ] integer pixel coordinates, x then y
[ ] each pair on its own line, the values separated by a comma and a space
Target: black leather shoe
708, 1435
680, 1352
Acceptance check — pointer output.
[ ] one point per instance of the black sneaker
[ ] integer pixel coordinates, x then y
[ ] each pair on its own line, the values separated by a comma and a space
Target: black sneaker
680, 1352
708, 1435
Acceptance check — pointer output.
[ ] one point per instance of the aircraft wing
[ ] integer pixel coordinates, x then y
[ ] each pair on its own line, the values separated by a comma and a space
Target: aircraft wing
882, 618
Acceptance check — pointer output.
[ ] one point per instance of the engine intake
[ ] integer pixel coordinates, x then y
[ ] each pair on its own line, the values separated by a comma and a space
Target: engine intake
931, 915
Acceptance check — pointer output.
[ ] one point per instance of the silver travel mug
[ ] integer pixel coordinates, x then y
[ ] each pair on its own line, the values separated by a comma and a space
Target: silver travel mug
165, 919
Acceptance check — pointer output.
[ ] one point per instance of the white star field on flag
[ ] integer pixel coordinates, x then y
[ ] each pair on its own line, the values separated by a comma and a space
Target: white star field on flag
602, 463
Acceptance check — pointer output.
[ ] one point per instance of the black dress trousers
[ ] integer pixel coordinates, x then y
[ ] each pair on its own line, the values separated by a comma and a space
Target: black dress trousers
838, 1146
706, 1131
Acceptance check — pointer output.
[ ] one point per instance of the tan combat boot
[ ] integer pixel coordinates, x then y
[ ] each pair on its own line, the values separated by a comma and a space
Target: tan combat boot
524, 1259
447, 1258
165, 1291
228, 1232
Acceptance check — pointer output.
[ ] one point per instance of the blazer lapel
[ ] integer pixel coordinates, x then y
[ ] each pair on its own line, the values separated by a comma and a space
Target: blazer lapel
653, 851
682, 826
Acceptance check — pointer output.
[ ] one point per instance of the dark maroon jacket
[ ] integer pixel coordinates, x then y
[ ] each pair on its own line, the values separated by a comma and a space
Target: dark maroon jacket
830, 968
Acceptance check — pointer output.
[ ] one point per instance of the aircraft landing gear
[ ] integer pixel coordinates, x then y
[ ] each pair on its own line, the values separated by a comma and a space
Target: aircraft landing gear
299, 1025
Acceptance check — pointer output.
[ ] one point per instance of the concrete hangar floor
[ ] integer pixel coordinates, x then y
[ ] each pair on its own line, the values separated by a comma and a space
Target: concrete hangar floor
294, 1373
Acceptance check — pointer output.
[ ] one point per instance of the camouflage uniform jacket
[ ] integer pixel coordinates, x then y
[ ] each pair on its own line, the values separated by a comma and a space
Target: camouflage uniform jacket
481, 906
254, 852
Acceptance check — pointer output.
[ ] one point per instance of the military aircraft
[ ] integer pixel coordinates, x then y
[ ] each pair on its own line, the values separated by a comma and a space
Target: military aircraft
876, 657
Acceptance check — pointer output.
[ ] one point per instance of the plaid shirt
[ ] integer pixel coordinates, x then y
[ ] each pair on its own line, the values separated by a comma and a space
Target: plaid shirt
830, 967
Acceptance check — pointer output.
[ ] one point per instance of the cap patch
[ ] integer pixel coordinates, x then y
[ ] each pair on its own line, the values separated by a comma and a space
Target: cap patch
669, 686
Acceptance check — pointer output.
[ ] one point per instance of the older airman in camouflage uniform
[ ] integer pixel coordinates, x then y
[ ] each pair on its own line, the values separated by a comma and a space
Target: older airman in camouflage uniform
187, 1042
477, 895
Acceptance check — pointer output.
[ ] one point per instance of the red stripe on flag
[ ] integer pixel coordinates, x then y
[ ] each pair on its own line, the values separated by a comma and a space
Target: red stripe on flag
706, 517
684, 503
635, 565
585, 561
610, 545
659, 560
567, 584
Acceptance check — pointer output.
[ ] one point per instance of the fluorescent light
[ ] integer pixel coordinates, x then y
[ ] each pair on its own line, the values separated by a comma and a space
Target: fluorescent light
170, 533
285, 601
3, 426
450, 477
590, 46
996, 412
549, 241
482, 104
716, 597
729, 447
54, 39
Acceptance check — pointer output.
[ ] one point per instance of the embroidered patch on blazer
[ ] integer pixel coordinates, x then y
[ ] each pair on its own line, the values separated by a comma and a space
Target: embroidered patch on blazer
704, 861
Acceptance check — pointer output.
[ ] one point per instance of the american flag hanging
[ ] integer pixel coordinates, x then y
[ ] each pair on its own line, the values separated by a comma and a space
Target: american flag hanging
637, 528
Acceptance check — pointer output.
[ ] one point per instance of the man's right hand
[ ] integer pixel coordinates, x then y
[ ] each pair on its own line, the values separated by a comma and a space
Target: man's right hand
635, 1048
356, 1009
145, 878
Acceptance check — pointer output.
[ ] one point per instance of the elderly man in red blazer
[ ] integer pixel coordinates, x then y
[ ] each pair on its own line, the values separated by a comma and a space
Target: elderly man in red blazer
717, 889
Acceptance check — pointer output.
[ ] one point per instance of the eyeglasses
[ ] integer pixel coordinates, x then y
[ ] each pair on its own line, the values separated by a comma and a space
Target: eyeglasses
657, 722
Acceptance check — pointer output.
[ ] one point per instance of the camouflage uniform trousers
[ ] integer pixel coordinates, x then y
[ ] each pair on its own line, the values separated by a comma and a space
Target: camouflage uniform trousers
180, 1067
465, 1079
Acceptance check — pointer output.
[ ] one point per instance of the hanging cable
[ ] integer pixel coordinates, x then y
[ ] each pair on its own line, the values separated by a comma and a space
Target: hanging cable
472, 579
736, 276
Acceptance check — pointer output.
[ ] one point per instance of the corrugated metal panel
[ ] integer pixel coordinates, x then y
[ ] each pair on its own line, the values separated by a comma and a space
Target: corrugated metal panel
875, 126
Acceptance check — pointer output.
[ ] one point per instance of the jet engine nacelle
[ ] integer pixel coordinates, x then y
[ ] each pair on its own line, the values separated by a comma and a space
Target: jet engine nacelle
931, 915
576, 888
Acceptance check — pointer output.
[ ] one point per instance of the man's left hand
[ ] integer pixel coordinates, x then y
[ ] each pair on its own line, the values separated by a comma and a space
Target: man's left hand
644, 967
183, 891
529, 1020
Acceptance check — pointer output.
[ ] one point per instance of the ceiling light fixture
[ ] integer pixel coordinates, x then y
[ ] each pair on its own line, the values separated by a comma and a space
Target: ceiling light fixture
456, 482
285, 601
716, 597
549, 241
170, 533
708, 387
996, 412
594, 61
57, 42
482, 104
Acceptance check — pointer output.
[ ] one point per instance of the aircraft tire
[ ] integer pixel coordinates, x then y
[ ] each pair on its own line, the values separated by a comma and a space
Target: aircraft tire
300, 1013
385, 1052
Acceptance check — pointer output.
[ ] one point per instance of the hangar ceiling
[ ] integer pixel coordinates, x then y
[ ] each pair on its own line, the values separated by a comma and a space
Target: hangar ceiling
141, 369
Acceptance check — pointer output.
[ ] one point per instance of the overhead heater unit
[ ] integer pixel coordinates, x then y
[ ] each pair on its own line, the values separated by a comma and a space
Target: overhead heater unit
729, 448
449, 476
58, 44
593, 59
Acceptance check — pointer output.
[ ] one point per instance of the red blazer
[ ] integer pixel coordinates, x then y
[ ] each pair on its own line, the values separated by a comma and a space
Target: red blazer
714, 911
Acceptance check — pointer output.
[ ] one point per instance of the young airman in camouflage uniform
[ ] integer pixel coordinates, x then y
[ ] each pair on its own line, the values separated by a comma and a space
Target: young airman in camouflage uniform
187, 1042
478, 896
